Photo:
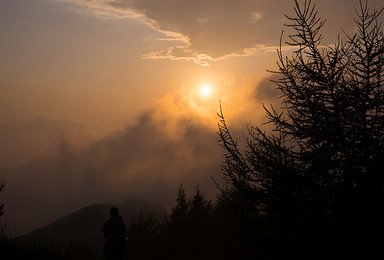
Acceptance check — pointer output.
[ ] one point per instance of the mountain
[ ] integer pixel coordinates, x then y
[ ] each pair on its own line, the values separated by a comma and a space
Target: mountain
84, 227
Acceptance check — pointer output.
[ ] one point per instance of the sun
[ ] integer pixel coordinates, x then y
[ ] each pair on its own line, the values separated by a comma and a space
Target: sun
205, 90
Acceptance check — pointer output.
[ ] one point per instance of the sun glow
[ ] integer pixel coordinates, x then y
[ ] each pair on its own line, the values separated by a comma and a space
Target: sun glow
205, 90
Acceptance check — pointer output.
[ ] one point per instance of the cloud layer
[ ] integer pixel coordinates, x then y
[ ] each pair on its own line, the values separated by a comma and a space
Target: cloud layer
209, 30
174, 141
145, 161
204, 30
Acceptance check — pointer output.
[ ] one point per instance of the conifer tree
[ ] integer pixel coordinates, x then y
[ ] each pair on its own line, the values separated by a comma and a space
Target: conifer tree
200, 206
2, 187
180, 211
319, 172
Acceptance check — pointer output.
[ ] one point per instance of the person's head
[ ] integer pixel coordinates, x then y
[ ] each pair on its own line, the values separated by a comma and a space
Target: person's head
114, 212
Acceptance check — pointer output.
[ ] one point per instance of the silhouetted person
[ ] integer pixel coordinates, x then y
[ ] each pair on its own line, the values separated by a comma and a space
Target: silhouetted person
114, 234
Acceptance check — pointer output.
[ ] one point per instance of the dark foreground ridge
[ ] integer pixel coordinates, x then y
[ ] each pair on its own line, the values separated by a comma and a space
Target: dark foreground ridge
75, 236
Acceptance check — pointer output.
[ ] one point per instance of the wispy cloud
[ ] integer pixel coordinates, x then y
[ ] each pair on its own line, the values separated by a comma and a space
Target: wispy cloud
185, 53
180, 53
206, 30
213, 29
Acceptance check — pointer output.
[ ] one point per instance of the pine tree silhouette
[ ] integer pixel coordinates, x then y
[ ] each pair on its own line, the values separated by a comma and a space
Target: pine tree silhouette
316, 180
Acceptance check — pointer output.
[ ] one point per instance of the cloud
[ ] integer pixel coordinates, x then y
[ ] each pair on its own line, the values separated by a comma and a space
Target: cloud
206, 30
34, 140
174, 141
180, 53
255, 16
266, 90
210, 30
146, 161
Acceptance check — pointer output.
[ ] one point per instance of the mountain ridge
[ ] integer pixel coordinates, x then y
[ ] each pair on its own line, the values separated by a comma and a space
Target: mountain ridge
84, 226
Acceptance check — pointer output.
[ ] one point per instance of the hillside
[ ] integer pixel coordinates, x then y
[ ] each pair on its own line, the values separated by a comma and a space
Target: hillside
83, 227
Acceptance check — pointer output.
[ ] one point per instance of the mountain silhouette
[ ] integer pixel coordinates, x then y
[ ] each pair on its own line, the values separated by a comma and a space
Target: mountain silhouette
83, 227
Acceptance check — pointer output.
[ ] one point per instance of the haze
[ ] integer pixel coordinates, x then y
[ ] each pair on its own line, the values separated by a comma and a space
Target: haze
100, 101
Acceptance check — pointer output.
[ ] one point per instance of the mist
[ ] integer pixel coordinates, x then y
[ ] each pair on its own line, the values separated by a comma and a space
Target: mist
141, 161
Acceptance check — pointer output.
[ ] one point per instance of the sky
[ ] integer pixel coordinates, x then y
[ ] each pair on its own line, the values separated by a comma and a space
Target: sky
100, 100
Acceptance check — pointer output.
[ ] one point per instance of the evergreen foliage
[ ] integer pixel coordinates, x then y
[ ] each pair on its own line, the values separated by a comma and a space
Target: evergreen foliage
188, 232
144, 237
2, 188
179, 213
311, 188
316, 181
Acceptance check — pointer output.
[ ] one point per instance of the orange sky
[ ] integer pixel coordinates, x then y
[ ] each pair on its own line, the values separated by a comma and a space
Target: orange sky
99, 74
70, 62
102, 62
